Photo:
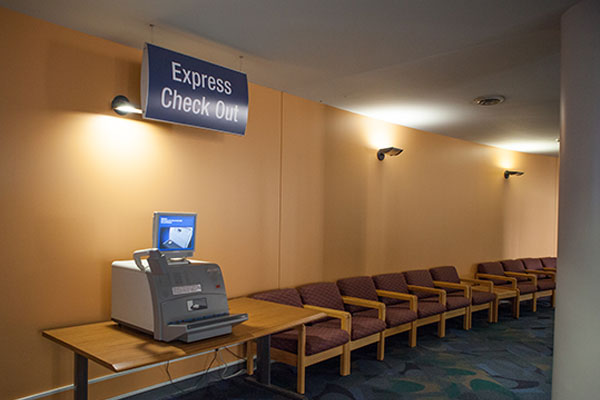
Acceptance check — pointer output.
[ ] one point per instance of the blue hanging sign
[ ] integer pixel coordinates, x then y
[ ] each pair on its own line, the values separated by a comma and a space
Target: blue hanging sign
184, 90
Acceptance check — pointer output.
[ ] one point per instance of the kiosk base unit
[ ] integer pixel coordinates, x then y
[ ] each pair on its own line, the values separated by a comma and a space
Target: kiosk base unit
173, 301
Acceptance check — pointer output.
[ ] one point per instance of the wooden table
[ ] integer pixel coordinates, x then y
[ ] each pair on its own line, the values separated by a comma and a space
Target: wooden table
120, 348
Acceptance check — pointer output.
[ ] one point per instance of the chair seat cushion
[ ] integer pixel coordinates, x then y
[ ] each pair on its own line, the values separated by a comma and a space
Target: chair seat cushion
478, 297
318, 339
361, 326
429, 307
456, 300
546, 284
526, 287
394, 315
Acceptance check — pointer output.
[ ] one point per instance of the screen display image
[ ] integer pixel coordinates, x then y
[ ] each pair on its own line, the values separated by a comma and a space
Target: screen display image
174, 232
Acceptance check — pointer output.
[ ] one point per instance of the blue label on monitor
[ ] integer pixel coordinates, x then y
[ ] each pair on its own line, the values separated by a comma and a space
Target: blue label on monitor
185, 90
176, 232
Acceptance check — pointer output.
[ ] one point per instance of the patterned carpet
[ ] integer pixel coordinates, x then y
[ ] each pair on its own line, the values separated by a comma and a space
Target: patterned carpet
508, 360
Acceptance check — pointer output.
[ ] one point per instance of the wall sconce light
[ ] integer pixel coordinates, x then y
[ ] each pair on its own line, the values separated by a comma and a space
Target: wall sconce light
508, 173
121, 105
390, 151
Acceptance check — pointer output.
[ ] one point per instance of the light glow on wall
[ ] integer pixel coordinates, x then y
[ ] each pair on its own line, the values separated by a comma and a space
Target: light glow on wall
529, 146
379, 134
414, 116
119, 141
506, 160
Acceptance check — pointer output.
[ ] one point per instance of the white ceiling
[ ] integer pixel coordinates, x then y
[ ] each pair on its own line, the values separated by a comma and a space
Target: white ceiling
418, 63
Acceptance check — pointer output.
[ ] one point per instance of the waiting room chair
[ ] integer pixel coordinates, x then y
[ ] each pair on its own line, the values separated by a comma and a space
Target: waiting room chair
398, 317
516, 269
505, 287
549, 263
429, 311
364, 329
458, 303
306, 345
481, 294
546, 280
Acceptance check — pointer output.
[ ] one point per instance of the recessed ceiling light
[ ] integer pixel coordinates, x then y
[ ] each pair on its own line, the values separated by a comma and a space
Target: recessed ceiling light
488, 100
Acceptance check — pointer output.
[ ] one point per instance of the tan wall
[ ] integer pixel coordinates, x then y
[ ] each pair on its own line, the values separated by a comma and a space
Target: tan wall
300, 198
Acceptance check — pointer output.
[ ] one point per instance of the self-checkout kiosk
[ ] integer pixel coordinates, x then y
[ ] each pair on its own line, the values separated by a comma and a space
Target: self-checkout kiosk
163, 293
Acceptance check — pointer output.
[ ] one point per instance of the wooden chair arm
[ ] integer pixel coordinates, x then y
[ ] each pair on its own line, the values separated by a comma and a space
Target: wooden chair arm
401, 296
488, 284
544, 273
541, 271
329, 311
531, 277
513, 281
344, 316
440, 292
450, 285
550, 269
357, 301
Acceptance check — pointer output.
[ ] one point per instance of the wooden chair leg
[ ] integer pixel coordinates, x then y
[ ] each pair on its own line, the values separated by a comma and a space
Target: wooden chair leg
250, 357
466, 319
442, 326
301, 360
381, 347
412, 335
496, 312
534, 304
345, 360
517, 307
491, 312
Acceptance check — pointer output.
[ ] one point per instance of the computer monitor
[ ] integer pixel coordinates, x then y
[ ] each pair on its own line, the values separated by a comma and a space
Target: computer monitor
174, 233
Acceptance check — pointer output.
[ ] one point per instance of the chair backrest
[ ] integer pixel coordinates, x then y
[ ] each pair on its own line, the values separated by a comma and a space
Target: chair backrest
322, 294
445, 274
533, 263
494, 268
394, 282
289, 297
549, 262
420, 277
514, 266
358, 286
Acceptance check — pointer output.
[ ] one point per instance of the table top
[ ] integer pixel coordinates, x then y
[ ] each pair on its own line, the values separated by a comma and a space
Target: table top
120, 348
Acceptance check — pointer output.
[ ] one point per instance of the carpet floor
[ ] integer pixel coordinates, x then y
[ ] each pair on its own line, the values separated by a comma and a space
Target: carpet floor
508, 360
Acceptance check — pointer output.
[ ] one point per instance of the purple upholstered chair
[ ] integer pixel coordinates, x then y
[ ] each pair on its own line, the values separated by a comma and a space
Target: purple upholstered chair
366, 329
457, 303
549, 263
546, 280
505, 287
360, 293
314, 339
527, 283
481, 294
429, 311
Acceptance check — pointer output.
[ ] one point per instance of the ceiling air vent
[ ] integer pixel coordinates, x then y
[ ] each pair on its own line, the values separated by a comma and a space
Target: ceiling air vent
488, 100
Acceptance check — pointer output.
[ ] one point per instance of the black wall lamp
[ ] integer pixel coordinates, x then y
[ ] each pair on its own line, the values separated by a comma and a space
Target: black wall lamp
508, 173
390, 151
122, 106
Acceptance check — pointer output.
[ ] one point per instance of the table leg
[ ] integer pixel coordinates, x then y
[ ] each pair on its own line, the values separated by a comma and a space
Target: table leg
80, 377
262, 377
263, 360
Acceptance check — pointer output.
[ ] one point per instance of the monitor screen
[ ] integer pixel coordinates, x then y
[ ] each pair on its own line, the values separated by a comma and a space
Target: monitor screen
174, 232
